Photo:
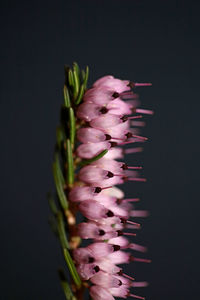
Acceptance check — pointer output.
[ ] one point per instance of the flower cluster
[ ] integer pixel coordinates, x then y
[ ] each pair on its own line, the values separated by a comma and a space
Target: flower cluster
106, 120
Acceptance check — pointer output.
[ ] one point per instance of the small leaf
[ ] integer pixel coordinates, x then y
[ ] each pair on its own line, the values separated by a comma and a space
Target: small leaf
60, 136
86, 77
65, 285
72, 268
52, 204
89, 161
72, 125
80, 95
70, 163
76, 84
71, 78
59, 182
61, 230
66, 97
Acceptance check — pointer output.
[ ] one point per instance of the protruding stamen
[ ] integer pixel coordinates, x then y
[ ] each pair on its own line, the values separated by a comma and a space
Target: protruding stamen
137, 247
142, 84
136, 179
133, 150
140, 284
135, 296
131, 200
133, 223
129, 233
144, 111
139, 213
138, 123
135, 117
134, 168
148, 261
127, 276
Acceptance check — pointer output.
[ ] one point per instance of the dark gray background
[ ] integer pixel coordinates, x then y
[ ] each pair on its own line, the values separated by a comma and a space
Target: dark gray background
142, 40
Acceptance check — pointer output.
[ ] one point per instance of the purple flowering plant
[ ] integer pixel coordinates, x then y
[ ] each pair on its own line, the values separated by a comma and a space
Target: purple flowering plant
96, 124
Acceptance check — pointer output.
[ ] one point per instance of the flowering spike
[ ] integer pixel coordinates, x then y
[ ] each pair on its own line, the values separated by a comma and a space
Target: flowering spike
85, 175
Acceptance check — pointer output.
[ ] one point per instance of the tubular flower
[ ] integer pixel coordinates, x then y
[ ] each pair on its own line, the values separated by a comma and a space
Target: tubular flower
97, 128
105, 117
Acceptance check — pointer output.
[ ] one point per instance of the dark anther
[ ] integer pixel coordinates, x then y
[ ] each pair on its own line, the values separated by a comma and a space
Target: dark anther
110, 174
115, 95
101, 232
129, 135
98, 189
108, 137
120, 233
131, 85
110, 214
124, 167
123, 221
120, 283
91, 259
124, 118
113, 144
103, 110
116, 247
120, 273
97, 269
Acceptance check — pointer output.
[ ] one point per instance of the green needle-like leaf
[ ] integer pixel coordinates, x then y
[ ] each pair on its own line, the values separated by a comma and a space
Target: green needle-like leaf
52, 204
71, 78
70, 163
61, 231
59, 182
66, 287
86, 77
76, 84
60, 136
67, 102
89, 161
81, 93
72, 268
72, 124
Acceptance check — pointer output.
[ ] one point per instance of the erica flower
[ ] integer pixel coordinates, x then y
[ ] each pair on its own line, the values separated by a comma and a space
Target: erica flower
104, 119
106, 114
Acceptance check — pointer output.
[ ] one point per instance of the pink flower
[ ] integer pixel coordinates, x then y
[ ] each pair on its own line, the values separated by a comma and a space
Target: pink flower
106, 125
115, 84
90, 150
100, 293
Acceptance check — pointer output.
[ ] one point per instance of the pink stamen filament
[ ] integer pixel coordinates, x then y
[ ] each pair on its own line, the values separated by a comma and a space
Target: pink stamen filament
144, 111
129, 233
127, 276
135, 117
133, 150
138, 123
133, 223
137, 247
134, 168
148, 261
131, 200
129, 142
140, 137
136, 179
140, 284
139, 213
143, 84
135, 296
107, 187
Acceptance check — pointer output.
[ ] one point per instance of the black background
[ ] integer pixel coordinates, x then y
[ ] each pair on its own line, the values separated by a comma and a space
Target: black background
141, 40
